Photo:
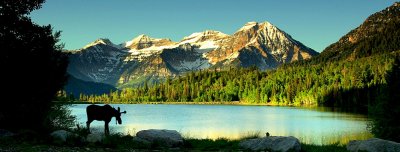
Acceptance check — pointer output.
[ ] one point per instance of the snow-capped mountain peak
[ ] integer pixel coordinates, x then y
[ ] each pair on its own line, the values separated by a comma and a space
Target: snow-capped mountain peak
204, 41
248, 26
261, 44
143, 41
203, 36
138, 39
255, 44
103, 41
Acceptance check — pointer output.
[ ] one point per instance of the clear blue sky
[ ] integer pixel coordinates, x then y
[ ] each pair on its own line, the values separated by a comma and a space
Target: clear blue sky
316, 23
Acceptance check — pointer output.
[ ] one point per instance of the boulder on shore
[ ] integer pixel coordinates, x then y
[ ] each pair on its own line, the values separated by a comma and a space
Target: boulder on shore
272, 143
61, 135
373, 145
167, 138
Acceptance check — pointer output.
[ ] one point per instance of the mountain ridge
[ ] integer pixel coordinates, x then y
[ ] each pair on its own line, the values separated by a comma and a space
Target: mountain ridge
375, 35
144, 58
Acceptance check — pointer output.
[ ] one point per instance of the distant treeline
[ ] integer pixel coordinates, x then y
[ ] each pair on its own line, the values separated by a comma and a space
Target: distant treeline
336, 83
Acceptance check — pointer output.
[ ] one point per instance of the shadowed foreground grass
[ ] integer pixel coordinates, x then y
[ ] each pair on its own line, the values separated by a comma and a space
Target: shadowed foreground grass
323, 148
121, 142
233, 145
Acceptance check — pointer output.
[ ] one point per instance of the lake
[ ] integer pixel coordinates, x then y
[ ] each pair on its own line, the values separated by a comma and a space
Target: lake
309, 125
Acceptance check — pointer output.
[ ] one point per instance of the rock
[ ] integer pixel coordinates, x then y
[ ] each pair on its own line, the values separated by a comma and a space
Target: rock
167, 138
95, 137
5, 133
61, 135
373, 145
272, 143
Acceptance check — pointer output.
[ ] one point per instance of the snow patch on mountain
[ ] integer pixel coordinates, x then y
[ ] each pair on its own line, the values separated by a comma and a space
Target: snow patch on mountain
102, 41
204, 42
192, 38
199, 36
140, 38
248, 25
206, 46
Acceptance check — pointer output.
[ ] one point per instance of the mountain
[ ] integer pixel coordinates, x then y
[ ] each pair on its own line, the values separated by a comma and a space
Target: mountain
379, 33
147, 59
100, 61
260, 44
76, 87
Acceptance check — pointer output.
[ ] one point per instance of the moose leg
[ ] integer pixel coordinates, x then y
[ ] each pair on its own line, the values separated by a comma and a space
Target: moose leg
88, 125
106, 130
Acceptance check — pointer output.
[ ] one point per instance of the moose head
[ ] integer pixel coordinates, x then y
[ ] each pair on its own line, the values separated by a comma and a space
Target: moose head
118, 115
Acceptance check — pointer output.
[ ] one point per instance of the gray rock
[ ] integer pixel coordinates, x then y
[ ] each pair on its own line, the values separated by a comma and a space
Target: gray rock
272, 143
373, 145
167, 138
5, 133
61, 135
95, 137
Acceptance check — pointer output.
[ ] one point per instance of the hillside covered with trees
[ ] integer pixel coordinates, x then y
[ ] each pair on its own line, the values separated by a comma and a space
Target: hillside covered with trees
330, 83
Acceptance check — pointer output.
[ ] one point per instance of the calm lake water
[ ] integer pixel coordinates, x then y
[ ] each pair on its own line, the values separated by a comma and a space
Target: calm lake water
317, 126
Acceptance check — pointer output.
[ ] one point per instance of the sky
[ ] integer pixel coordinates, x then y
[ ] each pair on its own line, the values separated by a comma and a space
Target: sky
315, 23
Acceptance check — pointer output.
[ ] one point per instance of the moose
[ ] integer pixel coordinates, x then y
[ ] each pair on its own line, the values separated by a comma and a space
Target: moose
102, 113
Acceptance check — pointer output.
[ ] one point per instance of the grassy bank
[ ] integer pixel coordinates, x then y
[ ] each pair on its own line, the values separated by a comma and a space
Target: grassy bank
233, 145
121, 142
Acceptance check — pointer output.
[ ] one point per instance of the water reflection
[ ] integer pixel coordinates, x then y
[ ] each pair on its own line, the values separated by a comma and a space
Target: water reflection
228, 121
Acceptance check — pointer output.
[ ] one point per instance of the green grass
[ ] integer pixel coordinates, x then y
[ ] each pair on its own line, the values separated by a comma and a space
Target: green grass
323, 148
250, 135
221, 144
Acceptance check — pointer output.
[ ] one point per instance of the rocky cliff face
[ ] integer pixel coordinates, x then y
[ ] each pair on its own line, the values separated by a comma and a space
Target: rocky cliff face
149, 59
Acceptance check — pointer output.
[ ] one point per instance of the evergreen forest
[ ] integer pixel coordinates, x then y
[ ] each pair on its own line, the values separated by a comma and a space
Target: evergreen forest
335, 83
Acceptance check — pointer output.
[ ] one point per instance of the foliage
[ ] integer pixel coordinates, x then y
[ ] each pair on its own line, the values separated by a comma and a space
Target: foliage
62, 96
32, 62
16, 8
385, 123
60, 117
251, 135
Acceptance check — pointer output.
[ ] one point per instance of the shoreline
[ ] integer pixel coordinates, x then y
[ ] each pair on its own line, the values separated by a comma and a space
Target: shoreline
232, 103
192, 103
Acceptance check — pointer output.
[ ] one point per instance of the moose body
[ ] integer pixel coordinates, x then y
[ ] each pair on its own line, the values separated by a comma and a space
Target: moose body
102, 113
